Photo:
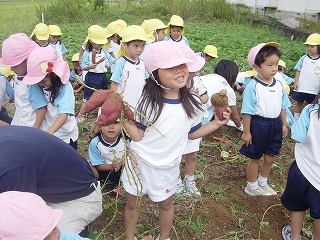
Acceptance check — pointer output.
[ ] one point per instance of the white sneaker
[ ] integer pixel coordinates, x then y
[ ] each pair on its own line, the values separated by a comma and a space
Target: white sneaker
180, 187
286, 233
191, 187
268, 189
256, 192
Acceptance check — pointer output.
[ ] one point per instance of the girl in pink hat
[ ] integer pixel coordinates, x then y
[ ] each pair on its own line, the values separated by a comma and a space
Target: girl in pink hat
172, 115
52, 75
30, 104
27, 216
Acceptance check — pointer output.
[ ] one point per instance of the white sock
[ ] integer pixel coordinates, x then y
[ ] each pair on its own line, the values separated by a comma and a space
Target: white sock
262, 181
252, 185
189, 178
296, 115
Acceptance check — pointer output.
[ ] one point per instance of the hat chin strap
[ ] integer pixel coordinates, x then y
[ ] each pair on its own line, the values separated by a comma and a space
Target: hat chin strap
153, 78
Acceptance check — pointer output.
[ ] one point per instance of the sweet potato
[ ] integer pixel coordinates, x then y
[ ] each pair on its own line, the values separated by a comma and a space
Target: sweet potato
219, 112
96, 100
110, 110
128, 113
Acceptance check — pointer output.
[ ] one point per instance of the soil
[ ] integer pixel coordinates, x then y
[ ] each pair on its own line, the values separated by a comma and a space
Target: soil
224, 210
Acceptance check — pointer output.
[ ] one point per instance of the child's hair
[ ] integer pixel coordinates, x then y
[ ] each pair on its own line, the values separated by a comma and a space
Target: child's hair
56, 85
88, 46
152, 98
316, 102
264, 53
227, 69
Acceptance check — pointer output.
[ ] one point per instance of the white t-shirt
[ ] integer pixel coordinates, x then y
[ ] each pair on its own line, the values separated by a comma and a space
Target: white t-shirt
306, 131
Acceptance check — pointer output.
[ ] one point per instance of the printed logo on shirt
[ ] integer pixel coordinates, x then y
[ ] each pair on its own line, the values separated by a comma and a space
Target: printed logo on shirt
272, 90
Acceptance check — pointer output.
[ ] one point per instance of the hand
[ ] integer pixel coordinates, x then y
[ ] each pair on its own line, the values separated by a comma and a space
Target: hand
295, 85
247, 138
284, 131
226, 116
93, 66
117, 164
195, 90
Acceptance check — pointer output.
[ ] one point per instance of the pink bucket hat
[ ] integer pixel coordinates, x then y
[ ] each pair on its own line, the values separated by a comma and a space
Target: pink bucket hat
26, 216
43, 61
255, 50
16, 48
166, 54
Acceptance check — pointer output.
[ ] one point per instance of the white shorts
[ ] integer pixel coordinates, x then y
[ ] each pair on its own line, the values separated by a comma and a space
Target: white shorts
192, 146
158, 183
78, 213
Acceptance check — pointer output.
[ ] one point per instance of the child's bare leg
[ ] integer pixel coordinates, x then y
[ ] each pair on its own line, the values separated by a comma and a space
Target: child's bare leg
298, 107
191, 163
316, 229
252, 170
131, 215
296, 224
266, 165
166, 212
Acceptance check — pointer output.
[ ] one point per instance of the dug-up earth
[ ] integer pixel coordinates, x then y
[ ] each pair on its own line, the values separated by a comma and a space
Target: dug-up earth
223, 212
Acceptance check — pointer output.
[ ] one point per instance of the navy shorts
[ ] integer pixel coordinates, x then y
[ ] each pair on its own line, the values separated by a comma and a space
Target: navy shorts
266, 136
301, 97
300, 195
96, 81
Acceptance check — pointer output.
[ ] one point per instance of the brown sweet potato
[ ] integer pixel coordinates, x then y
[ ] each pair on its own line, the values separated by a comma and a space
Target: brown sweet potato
96, 100
110, 109
128, 113
219, 112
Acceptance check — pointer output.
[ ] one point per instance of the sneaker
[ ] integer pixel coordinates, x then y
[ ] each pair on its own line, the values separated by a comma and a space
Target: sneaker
80, 118
191, 187
268, 189
286, 233
256, 192
180, 187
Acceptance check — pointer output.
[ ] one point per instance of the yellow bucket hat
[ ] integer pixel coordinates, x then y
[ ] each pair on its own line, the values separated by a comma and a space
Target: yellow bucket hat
41, 31
282, 63
6, 71
313, 39
250, 73
132, 32
211, 51
116, 27
152, 25
97, 35
54, 30
75, 57
175, 20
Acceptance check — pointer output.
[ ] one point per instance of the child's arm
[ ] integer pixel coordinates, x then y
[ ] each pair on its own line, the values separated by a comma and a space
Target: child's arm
135, 133
235, 116
105, 167
210, 127
40, 117
283, 116
296, 80
114, 86
58, 123
204, 98
246, 135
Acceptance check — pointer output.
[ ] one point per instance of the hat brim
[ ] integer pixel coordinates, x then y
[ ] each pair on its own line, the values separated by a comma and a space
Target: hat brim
196, 65
42, 38
57, 214
2, 63
99, 41
176, 62
311, 43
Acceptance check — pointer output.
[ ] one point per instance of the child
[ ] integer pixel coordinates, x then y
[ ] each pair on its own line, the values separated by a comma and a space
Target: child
114, 34
175, 31
224, 76
106, 151
302, 190
282, 70
307, 79
55, 41
209, 53
77, 74
27, 216
40, 35
129, 74
6, 93
195, 86
52, 74
30, 104
153, 167
264, 117
242, 80
154, 29
94, 60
